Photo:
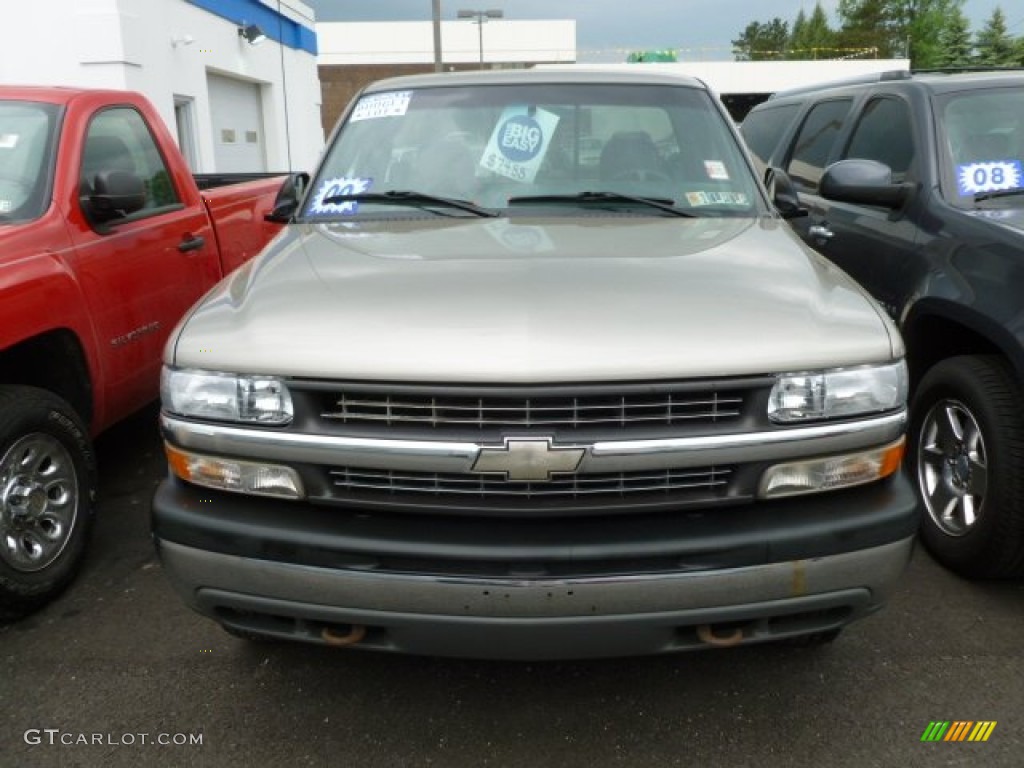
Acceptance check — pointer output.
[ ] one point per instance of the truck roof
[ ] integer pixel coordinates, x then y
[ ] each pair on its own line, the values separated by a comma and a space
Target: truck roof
57, 94
579, 75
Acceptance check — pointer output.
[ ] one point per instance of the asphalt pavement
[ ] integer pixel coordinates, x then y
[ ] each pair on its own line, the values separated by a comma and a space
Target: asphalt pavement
117, 672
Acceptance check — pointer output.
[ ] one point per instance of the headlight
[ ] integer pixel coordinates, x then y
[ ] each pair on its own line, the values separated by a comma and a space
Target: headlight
838, 394
225, 397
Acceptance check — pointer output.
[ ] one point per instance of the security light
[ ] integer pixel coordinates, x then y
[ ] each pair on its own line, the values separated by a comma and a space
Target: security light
253, 34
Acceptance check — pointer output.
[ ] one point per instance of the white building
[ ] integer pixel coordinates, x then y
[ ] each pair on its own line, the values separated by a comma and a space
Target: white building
354, 53
495, 42
235, 106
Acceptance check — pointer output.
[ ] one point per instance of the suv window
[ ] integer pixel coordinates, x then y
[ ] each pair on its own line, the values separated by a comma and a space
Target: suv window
984, 148
814, 142
525, 140
884, 133
762, 130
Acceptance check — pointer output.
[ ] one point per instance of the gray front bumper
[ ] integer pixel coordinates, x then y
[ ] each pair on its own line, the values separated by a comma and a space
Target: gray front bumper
542, 618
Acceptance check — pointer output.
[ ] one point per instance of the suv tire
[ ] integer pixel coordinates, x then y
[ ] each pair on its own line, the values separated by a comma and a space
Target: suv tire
967, 439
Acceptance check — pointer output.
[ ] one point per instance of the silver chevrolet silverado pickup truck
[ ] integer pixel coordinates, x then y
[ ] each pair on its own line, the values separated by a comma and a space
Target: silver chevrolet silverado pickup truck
536, 370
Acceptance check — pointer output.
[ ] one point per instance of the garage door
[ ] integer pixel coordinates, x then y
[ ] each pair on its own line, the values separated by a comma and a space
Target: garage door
237, 125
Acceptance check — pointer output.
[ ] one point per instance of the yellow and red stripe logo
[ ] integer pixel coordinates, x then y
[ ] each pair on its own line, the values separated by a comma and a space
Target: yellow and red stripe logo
958, 730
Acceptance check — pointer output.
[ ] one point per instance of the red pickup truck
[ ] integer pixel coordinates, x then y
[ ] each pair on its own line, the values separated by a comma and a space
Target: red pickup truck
106, 239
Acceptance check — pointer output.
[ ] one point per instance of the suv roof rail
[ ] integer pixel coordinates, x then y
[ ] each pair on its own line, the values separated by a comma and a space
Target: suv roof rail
969, 68
874, 77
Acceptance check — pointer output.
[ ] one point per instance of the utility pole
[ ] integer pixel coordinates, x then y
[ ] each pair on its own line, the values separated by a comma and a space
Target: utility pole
480, 17
438, 66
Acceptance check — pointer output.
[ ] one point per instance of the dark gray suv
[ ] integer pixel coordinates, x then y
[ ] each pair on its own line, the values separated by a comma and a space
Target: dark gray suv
914, 185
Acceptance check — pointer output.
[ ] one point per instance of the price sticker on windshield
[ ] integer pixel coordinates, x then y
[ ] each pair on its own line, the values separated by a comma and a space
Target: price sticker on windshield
322, 203
519, 143
975, 178
378, 105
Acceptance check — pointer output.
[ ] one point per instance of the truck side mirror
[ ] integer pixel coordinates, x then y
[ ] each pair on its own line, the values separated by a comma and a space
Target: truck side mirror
288, 198
863, 181
783, 194
115, 195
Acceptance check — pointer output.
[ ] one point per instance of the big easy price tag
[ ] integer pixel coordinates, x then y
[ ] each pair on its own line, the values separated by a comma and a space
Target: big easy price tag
519, 142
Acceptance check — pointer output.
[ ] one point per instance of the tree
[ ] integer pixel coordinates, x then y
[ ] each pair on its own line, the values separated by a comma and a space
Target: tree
864, 26
910, 28
995, 46
812, 38
956, 48
762, 41
921, 25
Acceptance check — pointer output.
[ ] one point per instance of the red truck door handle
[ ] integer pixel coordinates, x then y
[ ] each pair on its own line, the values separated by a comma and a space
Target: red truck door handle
191, 243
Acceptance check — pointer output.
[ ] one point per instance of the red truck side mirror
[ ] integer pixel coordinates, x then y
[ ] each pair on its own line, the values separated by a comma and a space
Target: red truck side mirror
114, 195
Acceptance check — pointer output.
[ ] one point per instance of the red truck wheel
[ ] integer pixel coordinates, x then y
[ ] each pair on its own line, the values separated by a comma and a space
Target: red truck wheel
47, 488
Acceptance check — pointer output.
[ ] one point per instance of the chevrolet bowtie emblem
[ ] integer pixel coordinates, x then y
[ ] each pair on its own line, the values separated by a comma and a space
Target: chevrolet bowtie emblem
528, 459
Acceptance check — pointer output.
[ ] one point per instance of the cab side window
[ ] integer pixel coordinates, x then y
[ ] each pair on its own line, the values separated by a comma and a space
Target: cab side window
814, 142
762, 130
119, 140
884, 133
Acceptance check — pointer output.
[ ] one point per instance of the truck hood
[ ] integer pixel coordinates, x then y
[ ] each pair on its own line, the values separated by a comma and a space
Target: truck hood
534, 300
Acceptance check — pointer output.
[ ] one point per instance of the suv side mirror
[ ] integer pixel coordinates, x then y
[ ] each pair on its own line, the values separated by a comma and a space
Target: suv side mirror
288, 198
783, 194
863, 181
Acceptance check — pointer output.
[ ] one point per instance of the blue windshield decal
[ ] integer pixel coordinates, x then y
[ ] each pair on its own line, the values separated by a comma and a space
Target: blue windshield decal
994, 176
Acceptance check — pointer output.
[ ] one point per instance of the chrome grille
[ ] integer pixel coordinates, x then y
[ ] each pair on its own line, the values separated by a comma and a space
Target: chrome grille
707, 480
548, 412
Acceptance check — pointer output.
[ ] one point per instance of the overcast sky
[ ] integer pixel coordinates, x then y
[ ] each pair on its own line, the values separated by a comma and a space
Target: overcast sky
703, 28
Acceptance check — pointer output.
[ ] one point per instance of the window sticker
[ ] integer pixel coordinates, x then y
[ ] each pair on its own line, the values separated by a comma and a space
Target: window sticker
343, 185
995, 176
519, 143
8, 140
377, 105
715, 170
698, 199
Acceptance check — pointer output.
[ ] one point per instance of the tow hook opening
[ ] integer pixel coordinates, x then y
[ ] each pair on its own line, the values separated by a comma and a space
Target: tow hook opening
343, 636
722, 636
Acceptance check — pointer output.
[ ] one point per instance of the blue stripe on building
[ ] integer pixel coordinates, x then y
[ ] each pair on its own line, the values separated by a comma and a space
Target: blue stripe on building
275, 25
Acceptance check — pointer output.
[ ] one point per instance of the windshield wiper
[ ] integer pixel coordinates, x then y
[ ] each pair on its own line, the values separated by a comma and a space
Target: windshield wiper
661, 203
411, 198
998, 193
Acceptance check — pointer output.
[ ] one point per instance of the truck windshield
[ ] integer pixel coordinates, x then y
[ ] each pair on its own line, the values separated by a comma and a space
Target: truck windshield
26, 164
983, 157
551, 148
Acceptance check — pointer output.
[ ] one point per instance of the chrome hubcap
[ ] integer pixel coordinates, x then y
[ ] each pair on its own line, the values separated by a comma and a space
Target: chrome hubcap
38, 502
952, 467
